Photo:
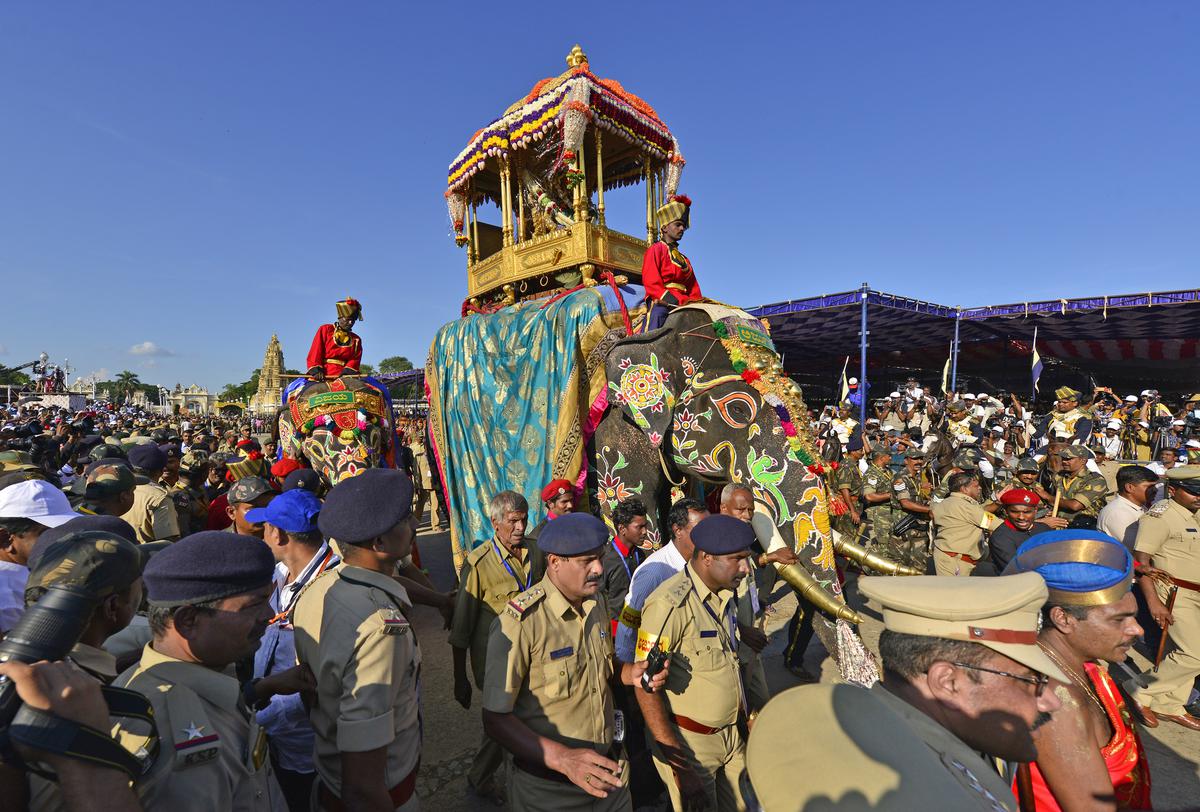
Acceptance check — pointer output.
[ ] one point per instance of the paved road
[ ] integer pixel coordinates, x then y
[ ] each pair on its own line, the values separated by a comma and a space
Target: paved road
452, 733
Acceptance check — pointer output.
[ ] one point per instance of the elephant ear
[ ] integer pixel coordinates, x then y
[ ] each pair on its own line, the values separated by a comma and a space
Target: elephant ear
641, 385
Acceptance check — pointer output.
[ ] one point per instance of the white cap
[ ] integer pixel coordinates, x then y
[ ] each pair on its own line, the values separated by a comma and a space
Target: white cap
1144, 424
1019, 423
968, 396
853, 381
872, 419
1178, 423
983, 395
38, 501
894, 395
1192, 444
1131, 398
1113, 424
997, 430
1145, 393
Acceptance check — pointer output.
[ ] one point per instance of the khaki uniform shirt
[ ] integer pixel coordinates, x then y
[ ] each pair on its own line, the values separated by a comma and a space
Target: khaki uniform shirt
352, 632
551, 667
153, 513
96, 661
960, 522
1086, 487
704, 680
485, 587
212, 753
1171, 534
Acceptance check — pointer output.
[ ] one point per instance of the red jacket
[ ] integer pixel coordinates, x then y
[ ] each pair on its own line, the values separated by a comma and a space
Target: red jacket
326, 352
665, 278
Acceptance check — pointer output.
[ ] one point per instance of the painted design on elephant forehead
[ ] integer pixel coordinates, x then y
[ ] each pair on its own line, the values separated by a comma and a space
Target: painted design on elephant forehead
767, 472
724, 409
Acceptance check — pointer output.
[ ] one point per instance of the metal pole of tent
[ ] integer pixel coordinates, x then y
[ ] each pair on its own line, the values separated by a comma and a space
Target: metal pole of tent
954, 353
862, 350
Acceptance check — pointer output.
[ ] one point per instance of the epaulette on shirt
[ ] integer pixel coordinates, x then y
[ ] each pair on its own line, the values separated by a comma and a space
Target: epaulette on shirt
521, 603
477, 554
1160, 508
677, 592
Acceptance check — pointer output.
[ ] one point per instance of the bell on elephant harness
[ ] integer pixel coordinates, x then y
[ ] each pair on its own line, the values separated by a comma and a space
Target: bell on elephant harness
865, 558
806, 587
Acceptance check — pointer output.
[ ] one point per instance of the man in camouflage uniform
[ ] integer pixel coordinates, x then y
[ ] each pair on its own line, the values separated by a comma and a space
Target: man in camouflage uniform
108, 489
190, 505
876, 496
910, 496
1084, 492
847, 483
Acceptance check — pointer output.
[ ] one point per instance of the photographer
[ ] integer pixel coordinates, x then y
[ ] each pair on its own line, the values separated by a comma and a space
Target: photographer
64, 690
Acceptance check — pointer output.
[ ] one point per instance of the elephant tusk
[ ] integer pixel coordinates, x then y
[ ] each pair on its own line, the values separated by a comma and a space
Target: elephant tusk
806, 587
863, 557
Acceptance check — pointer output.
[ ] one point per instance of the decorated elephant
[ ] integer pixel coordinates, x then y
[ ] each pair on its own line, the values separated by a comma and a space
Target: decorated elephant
339, 427
705, 398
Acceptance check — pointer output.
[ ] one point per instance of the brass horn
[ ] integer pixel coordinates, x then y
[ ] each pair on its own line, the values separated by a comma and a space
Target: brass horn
865, 558
806, 587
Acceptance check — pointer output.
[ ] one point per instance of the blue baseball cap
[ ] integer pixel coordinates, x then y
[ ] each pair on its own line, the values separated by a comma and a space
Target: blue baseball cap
293, 511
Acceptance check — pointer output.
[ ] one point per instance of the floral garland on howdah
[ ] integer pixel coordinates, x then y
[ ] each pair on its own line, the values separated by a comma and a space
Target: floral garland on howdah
770, 393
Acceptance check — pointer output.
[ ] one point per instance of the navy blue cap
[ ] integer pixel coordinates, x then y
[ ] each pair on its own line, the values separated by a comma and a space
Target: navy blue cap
147, 457
83, 524
208, 566
719, 534
305, 478
854, 443
573, 534
294, 511
364, 507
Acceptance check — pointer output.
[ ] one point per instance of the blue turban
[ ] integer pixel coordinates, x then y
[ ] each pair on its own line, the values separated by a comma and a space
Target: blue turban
1080, 567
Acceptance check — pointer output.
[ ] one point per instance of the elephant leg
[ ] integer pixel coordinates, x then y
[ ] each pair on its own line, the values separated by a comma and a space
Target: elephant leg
624, 466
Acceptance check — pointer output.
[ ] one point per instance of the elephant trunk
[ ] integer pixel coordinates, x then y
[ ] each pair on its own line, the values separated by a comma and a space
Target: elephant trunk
806, 587
865, 558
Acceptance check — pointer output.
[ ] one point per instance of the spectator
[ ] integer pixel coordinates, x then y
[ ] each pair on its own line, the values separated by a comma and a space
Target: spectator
1135, 493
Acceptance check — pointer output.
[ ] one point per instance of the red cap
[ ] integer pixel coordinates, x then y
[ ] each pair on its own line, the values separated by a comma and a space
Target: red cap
1020, 496
557, 488
285, 466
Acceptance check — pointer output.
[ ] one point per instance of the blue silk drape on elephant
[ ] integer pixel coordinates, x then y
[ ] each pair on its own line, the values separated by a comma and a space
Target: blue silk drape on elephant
508, 395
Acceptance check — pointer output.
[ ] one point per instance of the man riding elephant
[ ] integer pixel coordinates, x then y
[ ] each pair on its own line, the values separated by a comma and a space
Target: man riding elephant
336, 349
666, 272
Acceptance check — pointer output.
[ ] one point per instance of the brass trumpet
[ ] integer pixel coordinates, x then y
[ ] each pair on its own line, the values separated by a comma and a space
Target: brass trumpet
865, 558
806, 587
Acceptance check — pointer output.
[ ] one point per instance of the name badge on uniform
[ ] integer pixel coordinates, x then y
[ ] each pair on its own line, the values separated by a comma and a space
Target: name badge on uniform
709, 633
196, 747
1192, 530
562, 652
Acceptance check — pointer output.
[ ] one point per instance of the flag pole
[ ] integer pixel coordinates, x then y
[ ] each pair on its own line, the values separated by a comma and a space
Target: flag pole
1035, 363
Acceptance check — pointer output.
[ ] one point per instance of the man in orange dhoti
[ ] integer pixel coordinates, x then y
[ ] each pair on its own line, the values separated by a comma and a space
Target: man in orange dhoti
1089, 753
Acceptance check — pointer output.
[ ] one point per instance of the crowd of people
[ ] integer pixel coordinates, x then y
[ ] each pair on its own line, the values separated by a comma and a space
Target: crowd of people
260, 623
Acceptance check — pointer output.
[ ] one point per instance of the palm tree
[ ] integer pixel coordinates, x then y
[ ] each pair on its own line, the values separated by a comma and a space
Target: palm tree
127, 382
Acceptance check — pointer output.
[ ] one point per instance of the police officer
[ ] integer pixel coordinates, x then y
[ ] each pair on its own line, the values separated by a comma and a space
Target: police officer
960, 522
495, 572
208, 598
910, 497
1168, 537
152, 513
963, 674
548, 690
877, 495
191, 507
352, 631
696, 721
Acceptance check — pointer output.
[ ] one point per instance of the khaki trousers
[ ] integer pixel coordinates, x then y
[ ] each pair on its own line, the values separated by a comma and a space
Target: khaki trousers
718, 758
944, 564
1172, 685
428, 496
528, 792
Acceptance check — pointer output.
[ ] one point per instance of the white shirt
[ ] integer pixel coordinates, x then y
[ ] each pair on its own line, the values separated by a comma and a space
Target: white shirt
12, 594
1119, 519
661, 565
1111, 445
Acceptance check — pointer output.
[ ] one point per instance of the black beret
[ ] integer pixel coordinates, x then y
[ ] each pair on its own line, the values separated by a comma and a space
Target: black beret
147, 457
364, 507
305, 478
573, 534
854, 443
84, 524
208, 566
720, 534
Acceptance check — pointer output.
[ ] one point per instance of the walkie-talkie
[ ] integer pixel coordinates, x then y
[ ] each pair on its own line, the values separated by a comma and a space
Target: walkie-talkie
656, 661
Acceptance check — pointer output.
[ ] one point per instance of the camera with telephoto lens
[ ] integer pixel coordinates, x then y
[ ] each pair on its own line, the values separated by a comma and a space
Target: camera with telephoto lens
656, 661
47, 631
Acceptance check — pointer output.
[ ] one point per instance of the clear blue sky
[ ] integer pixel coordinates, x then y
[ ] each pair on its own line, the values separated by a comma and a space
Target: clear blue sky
200, 175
